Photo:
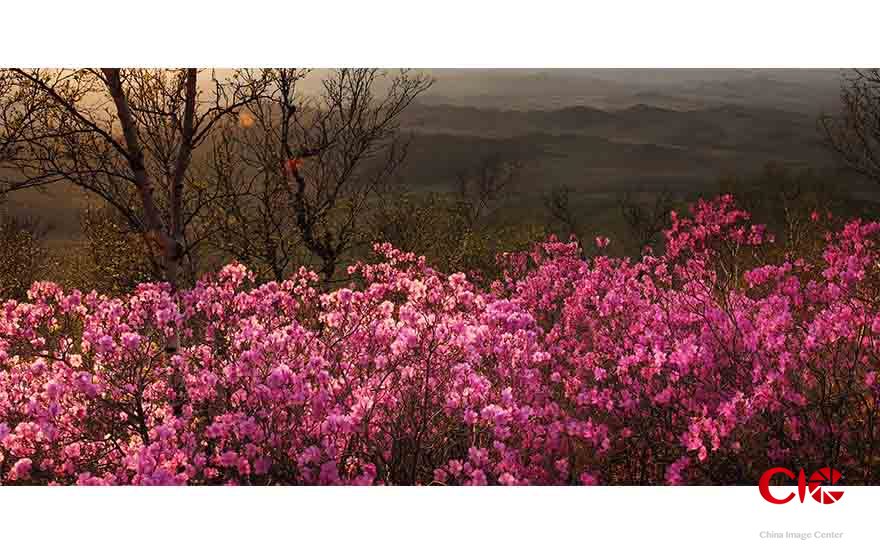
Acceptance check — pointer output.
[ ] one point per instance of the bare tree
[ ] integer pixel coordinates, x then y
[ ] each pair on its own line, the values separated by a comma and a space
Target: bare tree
481, 188
18, 106
459, 230
854, 135
252, 221
127, 136
312, 166
23, 254
645, 221
558, 205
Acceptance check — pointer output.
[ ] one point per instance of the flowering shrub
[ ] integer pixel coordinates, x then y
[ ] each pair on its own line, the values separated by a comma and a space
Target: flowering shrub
702, 364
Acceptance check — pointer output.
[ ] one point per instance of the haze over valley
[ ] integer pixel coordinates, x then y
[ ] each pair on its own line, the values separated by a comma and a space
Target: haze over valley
600, 133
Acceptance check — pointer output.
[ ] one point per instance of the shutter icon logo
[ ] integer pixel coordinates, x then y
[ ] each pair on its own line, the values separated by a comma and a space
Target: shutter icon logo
817, 486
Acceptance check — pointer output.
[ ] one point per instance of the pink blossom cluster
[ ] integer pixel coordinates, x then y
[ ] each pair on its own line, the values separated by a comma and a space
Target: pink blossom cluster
705, 363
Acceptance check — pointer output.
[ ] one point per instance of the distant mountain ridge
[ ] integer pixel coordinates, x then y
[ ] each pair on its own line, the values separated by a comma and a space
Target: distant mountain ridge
725, 126
809, 91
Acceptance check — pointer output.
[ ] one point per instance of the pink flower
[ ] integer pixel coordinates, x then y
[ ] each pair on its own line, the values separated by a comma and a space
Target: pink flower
279, 376
674, 471
228, 459
478, 477
587, 478
106, 344
329, 473
262, 465
560, 364
507, 479
130, 340
21, 469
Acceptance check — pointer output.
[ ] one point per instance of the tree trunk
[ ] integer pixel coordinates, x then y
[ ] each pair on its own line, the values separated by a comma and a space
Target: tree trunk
170, 242
328, 269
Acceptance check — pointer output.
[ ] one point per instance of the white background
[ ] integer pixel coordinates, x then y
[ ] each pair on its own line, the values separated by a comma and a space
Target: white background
428, 517
442, 33
412, 33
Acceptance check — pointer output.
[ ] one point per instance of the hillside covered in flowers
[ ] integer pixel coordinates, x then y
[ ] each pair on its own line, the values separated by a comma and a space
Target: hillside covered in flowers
704, 363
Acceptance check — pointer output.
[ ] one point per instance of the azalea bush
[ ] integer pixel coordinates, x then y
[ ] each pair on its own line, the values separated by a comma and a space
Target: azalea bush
705, 363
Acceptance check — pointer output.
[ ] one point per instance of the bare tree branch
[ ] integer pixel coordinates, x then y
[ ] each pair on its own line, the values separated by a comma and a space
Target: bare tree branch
854, 134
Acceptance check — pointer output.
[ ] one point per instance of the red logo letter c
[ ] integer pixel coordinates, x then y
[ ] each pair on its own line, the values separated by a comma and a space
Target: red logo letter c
764, 485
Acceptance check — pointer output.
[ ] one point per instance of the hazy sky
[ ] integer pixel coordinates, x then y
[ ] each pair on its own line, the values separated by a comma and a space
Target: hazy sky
676, 88
806, 90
